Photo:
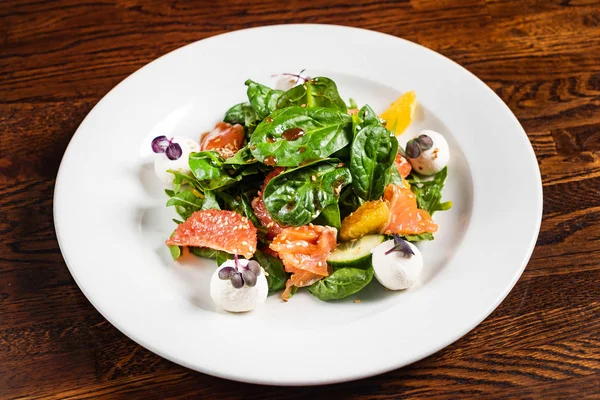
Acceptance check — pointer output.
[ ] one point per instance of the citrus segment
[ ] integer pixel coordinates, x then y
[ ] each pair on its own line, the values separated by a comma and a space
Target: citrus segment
404, 167
400, 113
371, 217
217, 229
405, 217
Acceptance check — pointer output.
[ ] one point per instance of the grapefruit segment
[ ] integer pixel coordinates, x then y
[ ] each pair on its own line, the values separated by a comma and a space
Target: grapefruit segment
405, 218
404, 167
217, 229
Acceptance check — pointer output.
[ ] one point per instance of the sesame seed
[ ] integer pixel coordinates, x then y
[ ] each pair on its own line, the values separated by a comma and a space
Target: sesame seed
313, 178
245, 243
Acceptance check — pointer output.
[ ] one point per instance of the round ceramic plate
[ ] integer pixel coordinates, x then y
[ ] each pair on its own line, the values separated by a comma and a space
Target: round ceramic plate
111, 219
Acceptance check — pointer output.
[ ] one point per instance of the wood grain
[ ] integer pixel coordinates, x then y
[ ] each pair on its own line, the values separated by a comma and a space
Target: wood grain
542, 57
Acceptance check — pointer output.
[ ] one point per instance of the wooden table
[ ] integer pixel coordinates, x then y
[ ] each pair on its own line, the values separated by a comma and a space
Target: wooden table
58, 58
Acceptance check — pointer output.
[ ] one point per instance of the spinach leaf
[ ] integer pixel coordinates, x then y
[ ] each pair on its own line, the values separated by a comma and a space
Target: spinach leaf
368, 116
342, 283
243, 114
207, 252
429, 192
275, 274
298, 196
262, 98
373, 152
349, 202
317, 133
330, 216
207, 167
316, 92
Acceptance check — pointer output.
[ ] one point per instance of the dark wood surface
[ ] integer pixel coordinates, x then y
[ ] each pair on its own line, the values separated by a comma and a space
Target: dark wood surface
58, 58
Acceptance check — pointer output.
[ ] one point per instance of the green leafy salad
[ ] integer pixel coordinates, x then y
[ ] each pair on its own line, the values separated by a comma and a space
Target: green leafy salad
294, 188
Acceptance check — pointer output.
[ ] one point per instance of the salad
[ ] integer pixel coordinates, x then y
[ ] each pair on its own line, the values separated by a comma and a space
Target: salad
296, 190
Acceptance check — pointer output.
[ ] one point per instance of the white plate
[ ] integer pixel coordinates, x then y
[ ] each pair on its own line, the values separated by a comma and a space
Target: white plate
111, 221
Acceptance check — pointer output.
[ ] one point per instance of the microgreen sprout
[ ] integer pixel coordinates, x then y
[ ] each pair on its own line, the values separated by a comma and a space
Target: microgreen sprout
401, 246
161, 144
240, 274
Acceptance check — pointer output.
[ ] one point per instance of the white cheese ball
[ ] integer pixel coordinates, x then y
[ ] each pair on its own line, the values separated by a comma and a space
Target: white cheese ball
162, 163
286, 82
393, 270
238, 300
432, 161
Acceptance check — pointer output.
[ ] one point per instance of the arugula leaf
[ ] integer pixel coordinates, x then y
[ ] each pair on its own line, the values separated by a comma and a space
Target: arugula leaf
429, 192
341, 283
175, 252
298, 196
185, 203
372, 155
275, 273
262, 98
189, 201
316, 92
325, 131
207, 167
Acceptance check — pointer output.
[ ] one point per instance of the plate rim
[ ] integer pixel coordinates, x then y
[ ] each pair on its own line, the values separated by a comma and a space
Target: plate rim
376, 371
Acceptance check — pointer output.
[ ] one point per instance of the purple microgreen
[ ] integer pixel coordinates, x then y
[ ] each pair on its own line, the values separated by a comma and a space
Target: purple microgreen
297, 76
413, 149
226, 273
401, 246
160, 144
425, 142
249, 277
174, 151
237, 281
254, 266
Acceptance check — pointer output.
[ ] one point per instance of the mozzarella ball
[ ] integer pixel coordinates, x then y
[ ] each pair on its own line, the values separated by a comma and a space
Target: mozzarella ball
243, 299
433, 160
396, 271
162, 163
286, 82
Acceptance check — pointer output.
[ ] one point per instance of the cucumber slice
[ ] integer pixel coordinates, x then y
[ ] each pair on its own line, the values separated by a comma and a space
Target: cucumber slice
355, 254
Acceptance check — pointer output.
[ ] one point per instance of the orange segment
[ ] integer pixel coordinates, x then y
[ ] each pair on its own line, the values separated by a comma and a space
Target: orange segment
405, 217
217, 229
369, 218
400, 113
304, 251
